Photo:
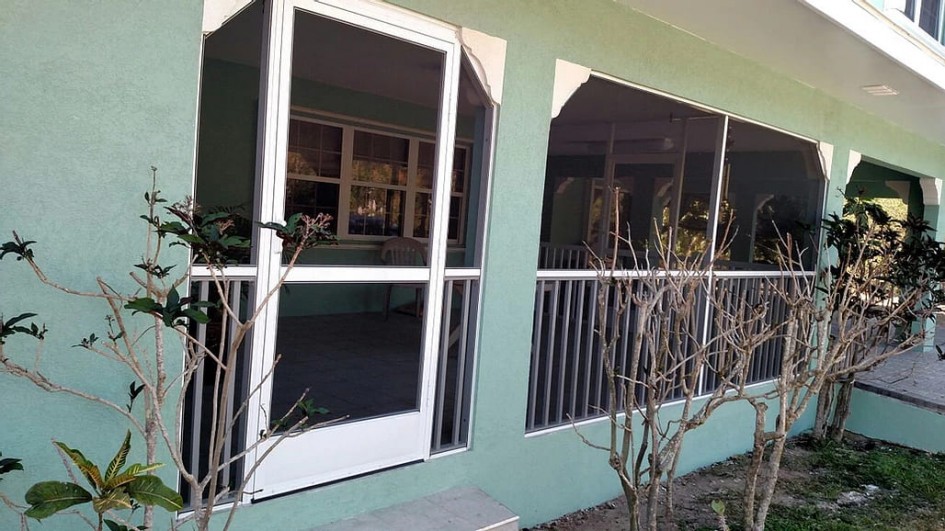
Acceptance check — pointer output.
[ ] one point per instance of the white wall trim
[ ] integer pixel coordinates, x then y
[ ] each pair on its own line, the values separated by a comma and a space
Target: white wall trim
825, 151
931, 190
487, 57
568, 78
217, 12
852, 162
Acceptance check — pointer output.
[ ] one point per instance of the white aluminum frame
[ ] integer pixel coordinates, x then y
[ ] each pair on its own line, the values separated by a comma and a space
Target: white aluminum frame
299, 461
917, 13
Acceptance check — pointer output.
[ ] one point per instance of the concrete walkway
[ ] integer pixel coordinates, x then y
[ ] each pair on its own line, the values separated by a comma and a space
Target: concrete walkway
916, 377
459, 509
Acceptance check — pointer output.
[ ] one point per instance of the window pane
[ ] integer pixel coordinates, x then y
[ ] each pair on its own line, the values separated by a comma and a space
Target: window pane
421, 215
375, 211
365, 87
772, 189
314, 149
458, 181
380, 158
312, 198
928, 18
456, 210
603, 178
425, 165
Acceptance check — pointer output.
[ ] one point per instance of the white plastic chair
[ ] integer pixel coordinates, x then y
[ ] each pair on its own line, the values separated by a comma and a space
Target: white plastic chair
404, 252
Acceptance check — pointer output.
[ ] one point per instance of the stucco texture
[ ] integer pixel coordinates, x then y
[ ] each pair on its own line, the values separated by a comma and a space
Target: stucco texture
94, 93
97, 92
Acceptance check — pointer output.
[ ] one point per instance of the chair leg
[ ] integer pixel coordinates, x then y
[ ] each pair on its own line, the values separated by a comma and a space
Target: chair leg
387, 303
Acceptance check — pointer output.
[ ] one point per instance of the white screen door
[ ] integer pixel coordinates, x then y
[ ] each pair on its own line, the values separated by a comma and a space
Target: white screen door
354, 330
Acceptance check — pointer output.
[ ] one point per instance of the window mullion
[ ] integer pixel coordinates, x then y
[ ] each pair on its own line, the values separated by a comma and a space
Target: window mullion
347, 170
715, 199
412, 160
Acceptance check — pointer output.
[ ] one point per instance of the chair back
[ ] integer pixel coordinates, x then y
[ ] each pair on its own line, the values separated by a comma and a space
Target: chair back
403, 252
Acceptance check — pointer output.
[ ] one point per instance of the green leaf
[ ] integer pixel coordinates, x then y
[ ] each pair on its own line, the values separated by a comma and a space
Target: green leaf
88, 468
150, 490
116, 499
9, 464
718, 507
190, 238
138, 469
18, 318
197, 316
118, 462
144, 304
18, 248
173, 298
49, 497
115, 526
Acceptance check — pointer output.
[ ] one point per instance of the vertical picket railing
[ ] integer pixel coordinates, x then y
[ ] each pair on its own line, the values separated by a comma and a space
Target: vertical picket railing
456, 356
567, 381
199, 396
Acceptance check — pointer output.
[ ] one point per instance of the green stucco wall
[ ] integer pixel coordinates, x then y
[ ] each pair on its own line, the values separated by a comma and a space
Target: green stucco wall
896, 421
94, 93
99, 92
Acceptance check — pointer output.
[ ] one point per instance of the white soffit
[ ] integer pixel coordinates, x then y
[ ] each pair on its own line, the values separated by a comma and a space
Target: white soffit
217, 12
931, 190
568, 78
487, 56
836, 46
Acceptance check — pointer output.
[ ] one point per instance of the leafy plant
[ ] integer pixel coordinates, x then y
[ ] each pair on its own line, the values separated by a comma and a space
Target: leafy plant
119, 488
9, 464
886, 270
139, 346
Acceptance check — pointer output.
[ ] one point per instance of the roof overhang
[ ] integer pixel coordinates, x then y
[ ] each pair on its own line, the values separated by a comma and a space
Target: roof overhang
837, 46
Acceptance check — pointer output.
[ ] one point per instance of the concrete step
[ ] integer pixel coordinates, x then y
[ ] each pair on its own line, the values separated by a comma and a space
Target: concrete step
459, 509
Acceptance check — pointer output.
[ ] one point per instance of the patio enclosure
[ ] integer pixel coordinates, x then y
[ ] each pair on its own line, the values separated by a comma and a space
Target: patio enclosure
390, 136
666, 175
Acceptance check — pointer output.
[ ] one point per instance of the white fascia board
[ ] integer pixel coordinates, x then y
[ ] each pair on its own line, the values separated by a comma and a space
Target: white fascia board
880, 31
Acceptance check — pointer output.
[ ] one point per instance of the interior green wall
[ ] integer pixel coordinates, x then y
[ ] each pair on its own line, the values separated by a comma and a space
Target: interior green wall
870, 180
94, 93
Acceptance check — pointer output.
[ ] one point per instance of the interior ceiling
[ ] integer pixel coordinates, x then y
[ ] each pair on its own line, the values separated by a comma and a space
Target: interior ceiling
341, 55
792, 38
643, 122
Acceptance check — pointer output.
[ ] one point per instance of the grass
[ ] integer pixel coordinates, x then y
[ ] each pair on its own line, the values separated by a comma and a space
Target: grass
911, 495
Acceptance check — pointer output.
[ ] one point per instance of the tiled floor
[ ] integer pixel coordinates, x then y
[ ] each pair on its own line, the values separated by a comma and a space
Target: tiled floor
356, 365
917, 376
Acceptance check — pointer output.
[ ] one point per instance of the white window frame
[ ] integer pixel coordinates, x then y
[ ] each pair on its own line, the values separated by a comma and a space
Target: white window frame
938, 34
349, 126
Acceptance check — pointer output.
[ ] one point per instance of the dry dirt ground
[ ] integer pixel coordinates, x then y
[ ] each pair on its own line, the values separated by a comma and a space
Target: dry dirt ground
819, 489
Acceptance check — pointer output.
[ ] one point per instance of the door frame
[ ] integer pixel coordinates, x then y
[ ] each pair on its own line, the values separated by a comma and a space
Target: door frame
276, 470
